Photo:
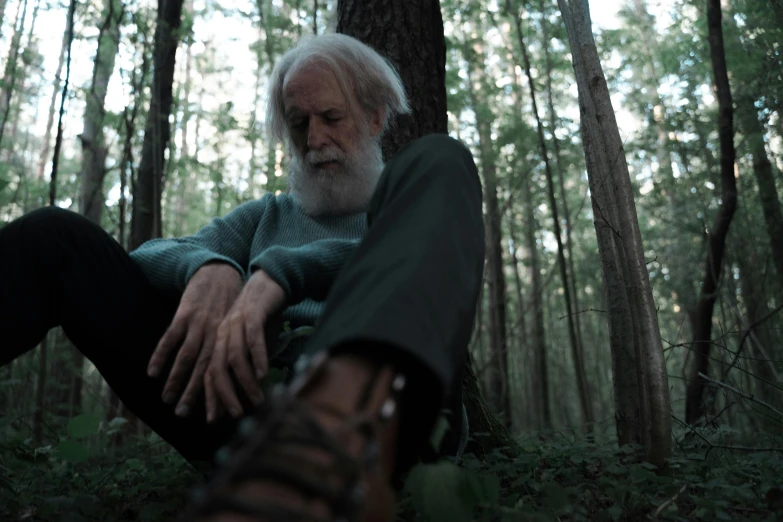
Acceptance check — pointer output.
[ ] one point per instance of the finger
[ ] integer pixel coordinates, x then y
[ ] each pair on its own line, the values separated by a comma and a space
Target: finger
168, 343
224, 388
196, 383
239, 362
183, 364
254, 336
217, 360
210, 397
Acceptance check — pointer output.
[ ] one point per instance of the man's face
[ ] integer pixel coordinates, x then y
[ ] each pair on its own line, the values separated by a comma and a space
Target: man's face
335, 155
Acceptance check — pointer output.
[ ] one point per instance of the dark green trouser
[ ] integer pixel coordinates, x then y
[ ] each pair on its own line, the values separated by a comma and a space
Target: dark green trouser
410, 292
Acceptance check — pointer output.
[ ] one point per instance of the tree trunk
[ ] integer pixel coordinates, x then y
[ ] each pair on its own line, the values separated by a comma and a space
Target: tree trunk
64, 95
184, 148
411, 36
91, 197
40, 393
499, 395
92, 200
11, 73
560, 172
52, 104
768, 195
716, 238
3, 4
639, 368
129, 115
521, 322
576, 348
539, 375
146, 214
23, 78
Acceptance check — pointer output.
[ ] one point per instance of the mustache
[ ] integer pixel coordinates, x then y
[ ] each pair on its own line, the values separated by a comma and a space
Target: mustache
314, 157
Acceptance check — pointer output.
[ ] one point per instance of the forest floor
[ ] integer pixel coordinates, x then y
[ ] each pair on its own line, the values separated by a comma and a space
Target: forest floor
712, 477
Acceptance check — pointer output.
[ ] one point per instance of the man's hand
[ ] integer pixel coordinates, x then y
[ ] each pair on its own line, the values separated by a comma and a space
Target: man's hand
241, 346
206, 301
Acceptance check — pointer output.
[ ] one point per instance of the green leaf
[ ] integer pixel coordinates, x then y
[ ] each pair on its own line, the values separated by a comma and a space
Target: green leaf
72, 451
484, 489
556, 496
83, 425
443, 491
442, 426
615, 511
273, 377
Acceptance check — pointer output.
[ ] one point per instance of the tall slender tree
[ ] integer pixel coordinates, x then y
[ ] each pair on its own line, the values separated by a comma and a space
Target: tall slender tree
576, 348
643, 409
146, 214
716, 237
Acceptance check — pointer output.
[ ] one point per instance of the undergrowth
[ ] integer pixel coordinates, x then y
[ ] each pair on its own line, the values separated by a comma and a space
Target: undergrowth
81, 478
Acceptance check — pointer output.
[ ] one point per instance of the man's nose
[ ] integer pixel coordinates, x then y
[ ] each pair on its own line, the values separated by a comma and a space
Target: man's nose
316, 136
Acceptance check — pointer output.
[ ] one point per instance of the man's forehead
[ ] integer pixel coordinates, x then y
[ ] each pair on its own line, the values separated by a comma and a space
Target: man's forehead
312, 83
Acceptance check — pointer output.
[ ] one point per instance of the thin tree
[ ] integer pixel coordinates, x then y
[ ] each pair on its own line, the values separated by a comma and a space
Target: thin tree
576, 348
10, 75
47, 139
42, 353
643, 409
716, 237
146, 215
498, 338
765, 179
537, 341
561, 172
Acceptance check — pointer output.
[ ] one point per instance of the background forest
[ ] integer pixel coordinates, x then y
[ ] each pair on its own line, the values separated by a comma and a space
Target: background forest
82, 90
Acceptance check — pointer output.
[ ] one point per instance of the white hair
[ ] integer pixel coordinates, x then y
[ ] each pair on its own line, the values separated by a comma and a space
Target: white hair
361, 72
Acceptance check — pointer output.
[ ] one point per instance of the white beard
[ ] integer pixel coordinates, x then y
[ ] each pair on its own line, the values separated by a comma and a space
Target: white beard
346, 190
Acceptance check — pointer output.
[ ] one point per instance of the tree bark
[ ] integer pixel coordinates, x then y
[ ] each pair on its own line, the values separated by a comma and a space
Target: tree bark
63, 96
40, 392
52, 104
92, 200
716, 238
411, 36
146, 214
560, 172
576, 348
765, 179
10, 74
639, 368
23, 77
498, 338
540, 369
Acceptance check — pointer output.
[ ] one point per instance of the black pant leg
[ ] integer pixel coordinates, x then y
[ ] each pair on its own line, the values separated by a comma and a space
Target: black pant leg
412, 288
58, 268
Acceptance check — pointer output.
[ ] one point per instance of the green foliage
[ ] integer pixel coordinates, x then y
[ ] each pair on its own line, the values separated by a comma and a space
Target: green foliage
563, 479
83, 479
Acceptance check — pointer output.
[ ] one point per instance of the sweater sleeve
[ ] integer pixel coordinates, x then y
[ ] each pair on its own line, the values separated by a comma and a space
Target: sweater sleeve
307, 271
170, 263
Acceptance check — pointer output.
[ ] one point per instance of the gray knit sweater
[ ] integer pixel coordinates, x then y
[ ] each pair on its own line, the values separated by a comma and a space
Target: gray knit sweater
301, 253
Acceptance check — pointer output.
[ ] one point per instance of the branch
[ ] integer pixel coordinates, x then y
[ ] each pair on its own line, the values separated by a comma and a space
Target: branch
668, 502
742, 394
748, 331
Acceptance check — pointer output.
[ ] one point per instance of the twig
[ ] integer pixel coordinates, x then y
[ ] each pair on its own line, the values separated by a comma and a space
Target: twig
668, 502
725, 446
742, 394
748, 331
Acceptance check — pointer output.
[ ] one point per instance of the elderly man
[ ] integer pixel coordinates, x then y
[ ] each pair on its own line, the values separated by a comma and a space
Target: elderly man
384, 260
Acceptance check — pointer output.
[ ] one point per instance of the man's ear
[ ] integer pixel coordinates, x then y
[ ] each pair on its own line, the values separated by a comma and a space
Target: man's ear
377, 118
